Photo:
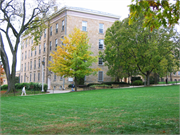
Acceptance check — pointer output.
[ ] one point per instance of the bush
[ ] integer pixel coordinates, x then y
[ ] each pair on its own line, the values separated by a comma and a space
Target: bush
110, 83
99, 85
4, 87
45, 87
93, 84
137, 82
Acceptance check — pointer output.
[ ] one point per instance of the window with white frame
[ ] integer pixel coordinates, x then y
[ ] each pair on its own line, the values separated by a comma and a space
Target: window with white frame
25, 67
44, 47
25, 54
44, 33
178, 72
56, 43
84, 26
31, 53
62, 25
100, 61
22, 56
32, 40
38, 77
54, 77
39, 49
31, 65
101, 28
100, 76
101, 43
61, 40
50, 46
22, 67
61, 78
44, 59
30, 77
24, 77
34, 76
56, 27
34, 64
51, 31
49, 58
39, 63
28, 66
35, 51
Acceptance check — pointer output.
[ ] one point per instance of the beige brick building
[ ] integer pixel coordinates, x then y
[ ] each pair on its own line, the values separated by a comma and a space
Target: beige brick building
61, 24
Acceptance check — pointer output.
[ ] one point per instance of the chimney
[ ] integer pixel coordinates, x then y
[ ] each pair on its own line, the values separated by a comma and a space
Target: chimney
55, 9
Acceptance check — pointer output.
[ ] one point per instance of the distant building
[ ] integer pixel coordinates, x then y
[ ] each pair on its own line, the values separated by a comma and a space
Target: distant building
61, 24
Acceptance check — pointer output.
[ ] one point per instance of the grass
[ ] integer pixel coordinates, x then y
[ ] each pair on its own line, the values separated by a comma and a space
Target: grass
18, 93
146, 110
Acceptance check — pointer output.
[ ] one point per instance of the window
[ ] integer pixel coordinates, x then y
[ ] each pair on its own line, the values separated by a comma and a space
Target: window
39, 63
34, 64
62, 41
175, 73
49, 58
25, 77
100, 76
54, 77
101, 28
39, 49
100, 61
21, 79
32, 40
50, 46
56, 42
38, 77
56, 27
44, 47
35, 51
178, 72
61, 78
44, 59
28, 66
25, 67
34, 76
31, 53
101, 44
25, 54
22, 56
51, 31
62, 25
22, 67
45, 33
26, 42
30, 77
31, 65
22, 45
84, 26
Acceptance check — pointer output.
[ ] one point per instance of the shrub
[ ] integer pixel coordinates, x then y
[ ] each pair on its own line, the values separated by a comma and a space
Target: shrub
93, 84
4, 87
99, 85
137, 82
110, 83
45, 87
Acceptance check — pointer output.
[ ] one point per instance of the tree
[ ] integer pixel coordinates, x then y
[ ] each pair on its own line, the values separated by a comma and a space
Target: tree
141, 49
17, 18
73, 59
112, 55
156, 12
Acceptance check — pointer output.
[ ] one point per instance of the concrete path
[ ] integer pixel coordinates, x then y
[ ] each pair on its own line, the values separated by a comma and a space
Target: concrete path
57, 91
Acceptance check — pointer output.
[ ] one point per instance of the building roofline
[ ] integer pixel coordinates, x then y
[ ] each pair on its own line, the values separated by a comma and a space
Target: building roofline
84, 10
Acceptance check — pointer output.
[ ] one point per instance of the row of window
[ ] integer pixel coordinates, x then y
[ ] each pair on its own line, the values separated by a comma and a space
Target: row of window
101, 27
25, 43
29, 66
30, 53
177, 73
32, 78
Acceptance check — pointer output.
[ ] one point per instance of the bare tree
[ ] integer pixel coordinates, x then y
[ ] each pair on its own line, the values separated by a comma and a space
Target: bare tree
16, 18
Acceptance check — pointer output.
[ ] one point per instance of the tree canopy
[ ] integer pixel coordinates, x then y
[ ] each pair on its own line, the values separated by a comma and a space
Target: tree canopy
17, 18
140, 49
73, 58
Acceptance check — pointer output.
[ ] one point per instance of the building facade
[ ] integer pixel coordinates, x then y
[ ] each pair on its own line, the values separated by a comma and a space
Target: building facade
61, 24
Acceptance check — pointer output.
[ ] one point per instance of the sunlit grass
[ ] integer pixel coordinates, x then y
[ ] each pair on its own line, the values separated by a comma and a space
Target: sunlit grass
147, 110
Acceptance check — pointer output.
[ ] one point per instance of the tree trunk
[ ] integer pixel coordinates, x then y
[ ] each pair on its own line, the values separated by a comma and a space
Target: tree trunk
5, 61
75, 83
155, 78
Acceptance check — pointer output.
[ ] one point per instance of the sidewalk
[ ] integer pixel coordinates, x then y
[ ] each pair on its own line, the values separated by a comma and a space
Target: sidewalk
57, 91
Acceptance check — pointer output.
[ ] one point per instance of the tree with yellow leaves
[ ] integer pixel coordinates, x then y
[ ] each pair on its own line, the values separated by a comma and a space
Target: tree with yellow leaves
73, 59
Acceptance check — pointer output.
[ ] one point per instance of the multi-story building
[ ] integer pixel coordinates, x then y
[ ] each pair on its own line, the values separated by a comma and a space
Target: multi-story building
61, 24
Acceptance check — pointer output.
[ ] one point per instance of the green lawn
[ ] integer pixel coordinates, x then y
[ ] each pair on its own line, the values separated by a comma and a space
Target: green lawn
146, 110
